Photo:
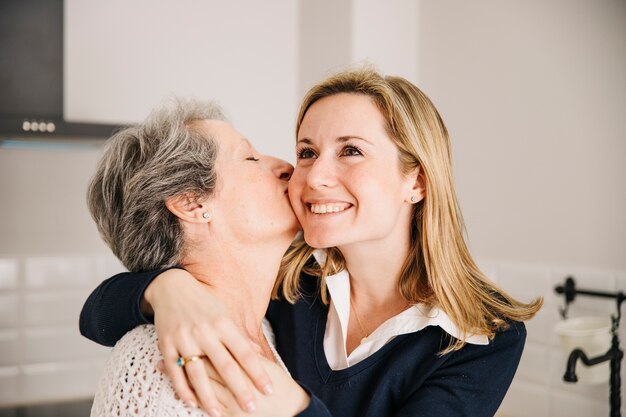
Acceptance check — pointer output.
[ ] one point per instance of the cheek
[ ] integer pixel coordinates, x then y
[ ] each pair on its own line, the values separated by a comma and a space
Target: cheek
374, 190
297, 208
295, 187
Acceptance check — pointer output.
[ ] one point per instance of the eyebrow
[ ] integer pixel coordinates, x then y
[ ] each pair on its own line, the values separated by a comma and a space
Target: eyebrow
340, 139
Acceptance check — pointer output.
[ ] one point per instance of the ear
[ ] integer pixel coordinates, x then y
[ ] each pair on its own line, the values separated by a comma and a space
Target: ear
418, 186
187, 208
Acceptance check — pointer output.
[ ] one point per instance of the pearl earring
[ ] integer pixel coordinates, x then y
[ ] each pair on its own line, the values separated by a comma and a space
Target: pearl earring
205, 215
413, 199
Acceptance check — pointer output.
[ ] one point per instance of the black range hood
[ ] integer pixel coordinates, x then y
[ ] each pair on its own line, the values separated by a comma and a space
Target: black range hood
31, 73
38, 127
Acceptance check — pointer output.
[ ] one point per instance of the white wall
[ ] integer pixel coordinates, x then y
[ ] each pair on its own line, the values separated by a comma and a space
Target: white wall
325, 40
335, 35
386, 34
534, 94
124, 57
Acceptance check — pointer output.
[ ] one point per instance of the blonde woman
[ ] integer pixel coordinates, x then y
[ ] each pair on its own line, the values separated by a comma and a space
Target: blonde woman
380, 309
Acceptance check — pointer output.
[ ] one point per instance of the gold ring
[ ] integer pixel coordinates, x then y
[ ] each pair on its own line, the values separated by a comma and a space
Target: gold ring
184, 361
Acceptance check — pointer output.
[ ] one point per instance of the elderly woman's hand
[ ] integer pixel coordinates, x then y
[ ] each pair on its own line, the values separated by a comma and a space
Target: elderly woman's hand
195, 323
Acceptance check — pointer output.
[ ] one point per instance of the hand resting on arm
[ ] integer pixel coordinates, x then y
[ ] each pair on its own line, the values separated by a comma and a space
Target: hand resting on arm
194, 322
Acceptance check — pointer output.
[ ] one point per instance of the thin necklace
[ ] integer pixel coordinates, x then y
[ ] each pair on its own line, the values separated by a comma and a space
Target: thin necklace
358, 320
359, 323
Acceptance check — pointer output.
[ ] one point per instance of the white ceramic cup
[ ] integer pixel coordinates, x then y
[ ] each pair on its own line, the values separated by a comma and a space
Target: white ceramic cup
593, 336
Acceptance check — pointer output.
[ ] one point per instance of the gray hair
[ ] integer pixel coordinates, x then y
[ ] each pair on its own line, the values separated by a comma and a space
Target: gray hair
166, 156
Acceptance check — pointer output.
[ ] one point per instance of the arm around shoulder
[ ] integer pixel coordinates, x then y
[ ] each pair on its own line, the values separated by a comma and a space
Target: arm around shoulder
114, 307
315, 408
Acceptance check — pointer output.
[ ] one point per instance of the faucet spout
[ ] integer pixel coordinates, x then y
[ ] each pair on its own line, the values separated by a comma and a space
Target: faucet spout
570, 370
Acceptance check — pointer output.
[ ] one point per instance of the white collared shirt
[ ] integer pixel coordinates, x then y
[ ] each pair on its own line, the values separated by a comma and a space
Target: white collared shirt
413, 319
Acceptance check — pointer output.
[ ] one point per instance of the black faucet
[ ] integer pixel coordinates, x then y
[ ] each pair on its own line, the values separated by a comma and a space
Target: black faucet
614, 354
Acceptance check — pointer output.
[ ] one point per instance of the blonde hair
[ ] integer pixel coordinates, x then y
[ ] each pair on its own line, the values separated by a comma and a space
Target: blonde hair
439, 270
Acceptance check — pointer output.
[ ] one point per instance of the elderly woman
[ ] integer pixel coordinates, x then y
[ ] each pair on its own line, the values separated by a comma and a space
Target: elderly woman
184, 188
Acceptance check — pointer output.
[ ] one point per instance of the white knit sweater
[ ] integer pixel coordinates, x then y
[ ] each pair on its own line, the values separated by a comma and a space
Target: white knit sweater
132, 386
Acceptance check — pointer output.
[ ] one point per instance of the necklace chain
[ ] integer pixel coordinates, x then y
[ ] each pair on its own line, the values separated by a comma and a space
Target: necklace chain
358, 320
365, 335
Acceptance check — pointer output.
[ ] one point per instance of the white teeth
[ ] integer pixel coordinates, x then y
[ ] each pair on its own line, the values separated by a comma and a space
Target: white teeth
327, 208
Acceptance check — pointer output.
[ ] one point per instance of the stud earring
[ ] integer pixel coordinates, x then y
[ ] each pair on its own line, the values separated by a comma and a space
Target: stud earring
205, 215
413, 199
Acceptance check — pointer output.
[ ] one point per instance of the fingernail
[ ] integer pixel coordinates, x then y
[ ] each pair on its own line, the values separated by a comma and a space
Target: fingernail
250, 406
268, 389
214, 412
160, 366
191, 404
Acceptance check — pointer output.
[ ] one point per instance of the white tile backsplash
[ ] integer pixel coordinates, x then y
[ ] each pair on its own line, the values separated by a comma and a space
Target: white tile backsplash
54, 307
541, 328
534, 362
10, 348
43, 357
8, 310
60, 272
525, 399
57, 344
107, 266
9, 385
41, 382
568, 404
8, 274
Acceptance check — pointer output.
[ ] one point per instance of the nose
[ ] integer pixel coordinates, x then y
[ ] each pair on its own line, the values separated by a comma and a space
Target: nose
282, 169
321, 173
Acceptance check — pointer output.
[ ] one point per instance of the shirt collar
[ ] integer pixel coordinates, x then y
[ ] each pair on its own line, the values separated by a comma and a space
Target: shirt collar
413, 319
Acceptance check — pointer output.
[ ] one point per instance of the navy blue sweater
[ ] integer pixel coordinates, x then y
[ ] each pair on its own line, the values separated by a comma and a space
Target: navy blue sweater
406, 377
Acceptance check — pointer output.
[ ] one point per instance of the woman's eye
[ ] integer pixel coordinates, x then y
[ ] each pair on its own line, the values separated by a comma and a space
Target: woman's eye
305, 153
351, 151
252, 158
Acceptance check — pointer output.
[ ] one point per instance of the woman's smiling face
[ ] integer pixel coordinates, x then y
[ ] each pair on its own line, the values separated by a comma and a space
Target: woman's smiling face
347, 186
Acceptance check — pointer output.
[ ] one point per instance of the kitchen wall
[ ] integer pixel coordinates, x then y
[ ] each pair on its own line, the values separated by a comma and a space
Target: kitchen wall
533, 94
121, 59
51, 257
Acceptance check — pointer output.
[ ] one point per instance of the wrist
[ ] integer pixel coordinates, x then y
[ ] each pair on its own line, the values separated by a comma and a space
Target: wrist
301, 399
148, 298
156, 288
